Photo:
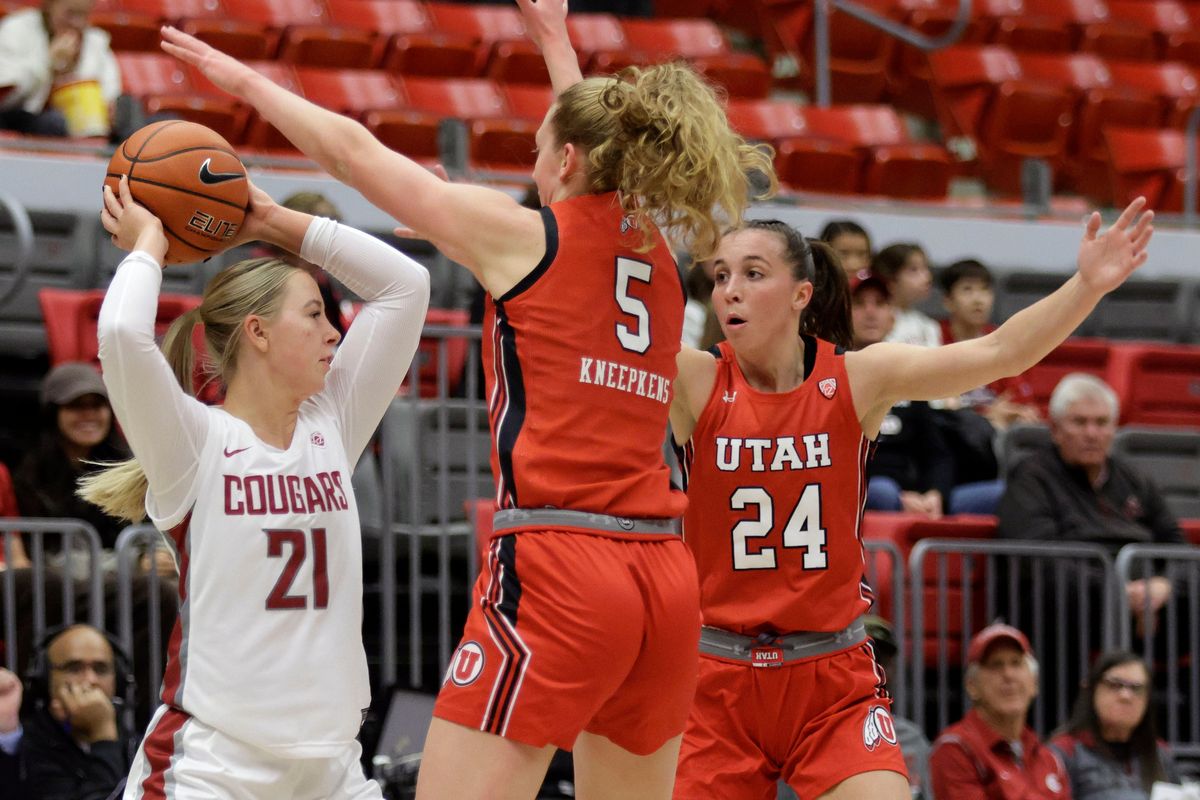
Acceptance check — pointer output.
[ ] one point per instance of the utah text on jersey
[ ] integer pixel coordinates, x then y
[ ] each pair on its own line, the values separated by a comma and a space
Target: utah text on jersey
782, 450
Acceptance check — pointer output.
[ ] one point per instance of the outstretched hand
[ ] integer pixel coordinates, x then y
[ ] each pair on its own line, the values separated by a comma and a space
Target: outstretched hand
1107, 259
224, 71
132, 226
544, 19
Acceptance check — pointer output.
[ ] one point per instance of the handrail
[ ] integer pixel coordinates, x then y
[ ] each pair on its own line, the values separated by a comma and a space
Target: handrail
23, 227
891, 27
1189, 171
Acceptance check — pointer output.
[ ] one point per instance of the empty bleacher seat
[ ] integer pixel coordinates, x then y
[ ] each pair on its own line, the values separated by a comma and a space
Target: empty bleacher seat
1171, 458
1157, 384
1018, 441
71, 317
1092, 356
1146, 162
818, 165
1143, 308
964, 78
1175, 85
349, 91
128, 30
1174, 27
162, 85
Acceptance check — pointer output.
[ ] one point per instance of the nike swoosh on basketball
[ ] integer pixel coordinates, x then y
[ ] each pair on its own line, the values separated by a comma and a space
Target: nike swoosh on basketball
209, 177
229, 453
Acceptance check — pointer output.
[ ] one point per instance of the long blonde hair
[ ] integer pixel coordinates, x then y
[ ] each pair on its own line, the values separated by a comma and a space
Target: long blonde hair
255, 286
660, 137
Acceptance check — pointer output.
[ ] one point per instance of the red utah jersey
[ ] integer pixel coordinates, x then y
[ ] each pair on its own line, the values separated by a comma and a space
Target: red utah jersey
580, 358
776, 486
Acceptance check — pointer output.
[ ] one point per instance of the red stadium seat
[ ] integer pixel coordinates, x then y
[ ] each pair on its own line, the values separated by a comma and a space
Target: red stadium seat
767, 119
964, 80
1025, 119
487, 25
908, 74
818, 165
663, 39
407, 42
860, 57
349, 91
175, 10
1074, 355
740, 74
224, 115
1146, 162
1175, 85
862, 125
426, 359
1118, 40
129, 30
517, 62
146, 74
914, 171
1157, 384
1174, 28
258, 133
465, 98
1191, 530
413, 133
246, 41
71, 316
595, 33
528, 102
503, 144
304, 32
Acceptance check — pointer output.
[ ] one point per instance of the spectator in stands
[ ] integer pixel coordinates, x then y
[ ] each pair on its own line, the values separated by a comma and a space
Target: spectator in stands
906, 269
77, 431
851, 243
43, 50
968, 299
1110, 746
991, 754
16, 558
1077, 491
11, 784
74, 744
913, 468
912, 739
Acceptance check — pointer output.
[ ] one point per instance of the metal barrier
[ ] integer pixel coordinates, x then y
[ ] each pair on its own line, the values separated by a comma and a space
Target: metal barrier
419, 499
1015, 578
135, 542
1160, 643
898, 683
33, 532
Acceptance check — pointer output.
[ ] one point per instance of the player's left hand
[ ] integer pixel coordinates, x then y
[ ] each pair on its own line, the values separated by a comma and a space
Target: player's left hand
544, 19
132, 226
1107, 259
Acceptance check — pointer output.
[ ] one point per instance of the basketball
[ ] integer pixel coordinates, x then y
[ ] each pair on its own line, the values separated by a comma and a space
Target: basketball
189, 177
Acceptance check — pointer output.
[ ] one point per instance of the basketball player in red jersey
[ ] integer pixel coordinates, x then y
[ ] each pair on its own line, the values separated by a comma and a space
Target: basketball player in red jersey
583, 634
775, 430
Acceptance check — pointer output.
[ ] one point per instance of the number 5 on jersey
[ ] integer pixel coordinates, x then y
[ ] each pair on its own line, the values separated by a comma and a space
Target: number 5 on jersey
636, 340
803, 529
280, 597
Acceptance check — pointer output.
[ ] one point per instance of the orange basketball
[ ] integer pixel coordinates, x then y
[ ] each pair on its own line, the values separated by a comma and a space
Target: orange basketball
191, 179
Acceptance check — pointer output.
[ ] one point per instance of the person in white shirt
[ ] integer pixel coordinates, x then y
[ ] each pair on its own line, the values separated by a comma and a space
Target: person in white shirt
906, 269
266, 680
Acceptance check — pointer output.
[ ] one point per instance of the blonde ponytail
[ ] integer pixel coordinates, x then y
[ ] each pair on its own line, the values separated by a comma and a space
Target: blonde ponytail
255, 286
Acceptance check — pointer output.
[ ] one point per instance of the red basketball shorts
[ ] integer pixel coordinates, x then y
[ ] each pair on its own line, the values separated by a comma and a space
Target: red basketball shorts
812, 723
570, 632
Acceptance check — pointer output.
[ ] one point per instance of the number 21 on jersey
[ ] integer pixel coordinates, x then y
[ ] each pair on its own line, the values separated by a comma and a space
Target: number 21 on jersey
803, 529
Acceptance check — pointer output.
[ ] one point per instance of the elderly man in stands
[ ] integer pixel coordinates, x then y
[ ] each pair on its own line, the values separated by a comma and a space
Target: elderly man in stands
992, 754
1078, 491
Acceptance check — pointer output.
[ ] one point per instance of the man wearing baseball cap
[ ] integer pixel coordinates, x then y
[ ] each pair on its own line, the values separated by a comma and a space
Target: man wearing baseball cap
992, 754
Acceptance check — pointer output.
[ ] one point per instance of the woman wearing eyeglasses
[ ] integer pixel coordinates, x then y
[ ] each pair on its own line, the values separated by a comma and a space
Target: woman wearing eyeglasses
1109, 745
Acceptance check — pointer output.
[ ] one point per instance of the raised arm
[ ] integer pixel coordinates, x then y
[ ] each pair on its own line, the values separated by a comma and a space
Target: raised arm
884, 373
483, 229
378, 348
546, 22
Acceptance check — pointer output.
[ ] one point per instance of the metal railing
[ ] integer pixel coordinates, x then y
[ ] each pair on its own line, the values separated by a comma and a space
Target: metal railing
1157, 635
1013, 584
23, 229
134, 543
75, 538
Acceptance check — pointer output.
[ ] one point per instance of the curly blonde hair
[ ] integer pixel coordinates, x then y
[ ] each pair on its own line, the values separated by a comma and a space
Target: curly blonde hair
659, 136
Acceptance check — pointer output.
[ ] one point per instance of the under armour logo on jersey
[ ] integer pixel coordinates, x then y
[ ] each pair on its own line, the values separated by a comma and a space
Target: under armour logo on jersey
467, 664
626, 224
828, 387
729, 397
878, 727
317, 439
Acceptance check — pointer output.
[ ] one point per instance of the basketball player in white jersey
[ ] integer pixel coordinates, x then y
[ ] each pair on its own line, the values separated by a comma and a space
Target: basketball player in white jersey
266, 680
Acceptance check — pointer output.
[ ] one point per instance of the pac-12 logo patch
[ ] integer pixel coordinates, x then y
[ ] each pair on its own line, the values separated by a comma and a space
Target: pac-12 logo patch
467, 664
317, 439
828, 387
878, 727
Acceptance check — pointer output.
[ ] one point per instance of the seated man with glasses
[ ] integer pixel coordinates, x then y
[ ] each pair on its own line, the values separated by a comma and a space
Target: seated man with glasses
74, 745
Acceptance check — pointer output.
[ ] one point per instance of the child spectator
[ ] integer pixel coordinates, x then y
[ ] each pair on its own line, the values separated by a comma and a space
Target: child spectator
851, 243
906, 269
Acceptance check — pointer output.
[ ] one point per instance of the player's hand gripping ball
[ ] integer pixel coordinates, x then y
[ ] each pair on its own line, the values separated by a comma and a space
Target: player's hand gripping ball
189, 177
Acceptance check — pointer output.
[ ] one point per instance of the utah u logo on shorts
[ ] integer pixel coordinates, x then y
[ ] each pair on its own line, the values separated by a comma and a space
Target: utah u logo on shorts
878, 727
467, 664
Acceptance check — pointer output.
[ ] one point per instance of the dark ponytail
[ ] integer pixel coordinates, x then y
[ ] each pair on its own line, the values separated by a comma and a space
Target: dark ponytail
828, 313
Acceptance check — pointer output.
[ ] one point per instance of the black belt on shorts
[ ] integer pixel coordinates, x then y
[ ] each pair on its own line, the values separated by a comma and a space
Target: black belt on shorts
556, 518
767, 650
